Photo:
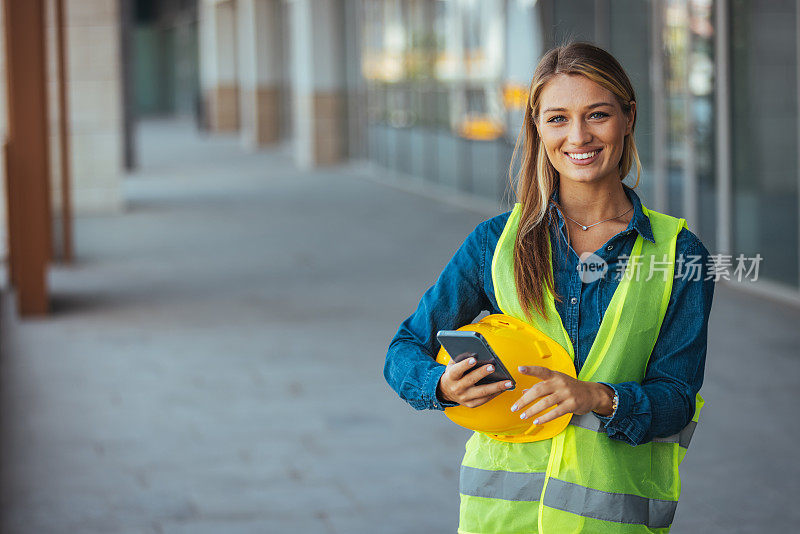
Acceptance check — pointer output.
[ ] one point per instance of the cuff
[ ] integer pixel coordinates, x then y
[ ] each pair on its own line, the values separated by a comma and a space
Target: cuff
619, 425
430, 386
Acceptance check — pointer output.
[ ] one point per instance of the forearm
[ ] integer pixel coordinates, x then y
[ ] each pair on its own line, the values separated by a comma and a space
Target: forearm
413, 374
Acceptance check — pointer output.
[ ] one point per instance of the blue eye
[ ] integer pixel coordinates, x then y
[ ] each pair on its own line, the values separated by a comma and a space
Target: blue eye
600, 115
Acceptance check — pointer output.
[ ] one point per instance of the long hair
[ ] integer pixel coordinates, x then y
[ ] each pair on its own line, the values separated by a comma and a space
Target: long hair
537, 179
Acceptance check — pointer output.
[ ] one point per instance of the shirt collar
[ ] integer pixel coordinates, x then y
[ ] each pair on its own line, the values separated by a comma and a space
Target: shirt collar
640, 222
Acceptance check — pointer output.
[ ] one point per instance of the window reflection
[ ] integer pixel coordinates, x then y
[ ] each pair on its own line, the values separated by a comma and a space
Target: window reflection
689, 76
764, 134
441, 92
448, 79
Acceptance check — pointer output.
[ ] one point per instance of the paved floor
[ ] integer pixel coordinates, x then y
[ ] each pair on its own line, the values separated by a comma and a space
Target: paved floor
214, 362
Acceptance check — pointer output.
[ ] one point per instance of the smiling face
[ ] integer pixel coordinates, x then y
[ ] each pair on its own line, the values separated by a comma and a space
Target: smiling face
583, 128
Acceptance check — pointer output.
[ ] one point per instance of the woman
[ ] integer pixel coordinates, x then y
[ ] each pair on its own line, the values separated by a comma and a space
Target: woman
638, 343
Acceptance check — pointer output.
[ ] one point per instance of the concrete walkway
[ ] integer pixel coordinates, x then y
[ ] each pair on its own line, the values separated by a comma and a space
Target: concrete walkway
214, 362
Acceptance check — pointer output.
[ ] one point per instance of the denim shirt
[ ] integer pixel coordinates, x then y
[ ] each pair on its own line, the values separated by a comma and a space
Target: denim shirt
658, 407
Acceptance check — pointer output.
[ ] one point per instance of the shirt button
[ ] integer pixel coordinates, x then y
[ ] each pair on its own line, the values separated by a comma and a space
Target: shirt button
573, 300
609, 247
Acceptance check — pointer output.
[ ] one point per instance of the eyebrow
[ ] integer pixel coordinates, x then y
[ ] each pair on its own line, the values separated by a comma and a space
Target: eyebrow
595, 105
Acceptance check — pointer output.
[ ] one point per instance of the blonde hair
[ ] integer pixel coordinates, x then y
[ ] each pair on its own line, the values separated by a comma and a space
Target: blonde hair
537, 179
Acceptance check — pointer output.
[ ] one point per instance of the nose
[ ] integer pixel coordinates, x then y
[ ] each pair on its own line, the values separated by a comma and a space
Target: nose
579, 134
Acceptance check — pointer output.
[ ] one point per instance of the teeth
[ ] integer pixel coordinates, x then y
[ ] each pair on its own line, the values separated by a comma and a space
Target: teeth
583, 156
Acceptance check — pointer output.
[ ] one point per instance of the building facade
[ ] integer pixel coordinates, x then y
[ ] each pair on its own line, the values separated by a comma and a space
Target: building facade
717, 92
434, 91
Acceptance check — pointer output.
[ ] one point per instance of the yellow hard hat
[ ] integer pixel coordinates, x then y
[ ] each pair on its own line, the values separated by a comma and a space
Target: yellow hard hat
515, 343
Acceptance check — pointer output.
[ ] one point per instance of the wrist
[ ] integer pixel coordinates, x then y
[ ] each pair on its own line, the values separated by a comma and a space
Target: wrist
440, 396
605, 401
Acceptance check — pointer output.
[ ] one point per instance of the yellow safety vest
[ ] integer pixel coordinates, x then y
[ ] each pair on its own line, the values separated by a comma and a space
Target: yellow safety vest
582, 481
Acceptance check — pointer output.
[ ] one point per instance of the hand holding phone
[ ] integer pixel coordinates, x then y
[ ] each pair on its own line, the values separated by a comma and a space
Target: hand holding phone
475, 374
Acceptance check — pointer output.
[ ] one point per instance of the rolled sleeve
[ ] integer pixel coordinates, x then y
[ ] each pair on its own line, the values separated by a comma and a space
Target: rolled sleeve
628, 421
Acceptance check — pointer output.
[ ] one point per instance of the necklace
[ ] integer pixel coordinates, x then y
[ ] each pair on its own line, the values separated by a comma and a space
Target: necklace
586, 227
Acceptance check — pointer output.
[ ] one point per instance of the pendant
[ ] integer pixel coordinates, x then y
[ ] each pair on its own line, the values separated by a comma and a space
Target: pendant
585, 227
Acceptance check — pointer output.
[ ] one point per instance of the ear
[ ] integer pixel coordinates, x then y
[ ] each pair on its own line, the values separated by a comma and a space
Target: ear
630, 117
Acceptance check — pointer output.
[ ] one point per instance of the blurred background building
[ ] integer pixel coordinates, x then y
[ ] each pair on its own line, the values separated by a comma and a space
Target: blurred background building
433, 90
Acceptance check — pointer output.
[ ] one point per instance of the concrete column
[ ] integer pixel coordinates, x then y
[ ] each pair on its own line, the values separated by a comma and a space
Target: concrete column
259, 35
218, 64
95, 123
318, 81
3, 134
95, 120
27, 161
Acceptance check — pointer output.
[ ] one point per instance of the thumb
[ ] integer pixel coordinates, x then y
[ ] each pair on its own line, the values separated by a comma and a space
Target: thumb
536, 370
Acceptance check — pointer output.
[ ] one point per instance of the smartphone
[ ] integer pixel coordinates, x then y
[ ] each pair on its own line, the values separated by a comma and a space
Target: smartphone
458, 342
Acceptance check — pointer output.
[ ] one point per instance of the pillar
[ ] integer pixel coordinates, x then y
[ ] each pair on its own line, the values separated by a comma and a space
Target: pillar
259, 36
95, 119
27, 155
318, 81
218, 64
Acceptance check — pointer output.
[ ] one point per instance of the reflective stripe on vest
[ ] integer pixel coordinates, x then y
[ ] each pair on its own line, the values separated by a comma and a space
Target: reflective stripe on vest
589, 482
567, 496
506, 485
590, 422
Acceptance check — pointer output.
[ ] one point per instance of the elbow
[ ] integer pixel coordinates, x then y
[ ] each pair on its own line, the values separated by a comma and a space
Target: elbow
389, 368
683, 406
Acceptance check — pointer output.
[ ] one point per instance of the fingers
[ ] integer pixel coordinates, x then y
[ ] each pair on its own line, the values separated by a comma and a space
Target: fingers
535, 370
494, 389
472, 395
555, 413
541, 405
477, 374
458, 369
458, 383
474, 403
538, 390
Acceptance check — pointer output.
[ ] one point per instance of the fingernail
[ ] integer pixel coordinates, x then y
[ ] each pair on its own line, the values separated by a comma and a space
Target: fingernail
523, 415
472, 361
489, 368
514, 408
521, 368
509, 384
535, 421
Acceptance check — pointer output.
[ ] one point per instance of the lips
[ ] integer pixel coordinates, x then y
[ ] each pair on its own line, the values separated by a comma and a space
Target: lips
583, 160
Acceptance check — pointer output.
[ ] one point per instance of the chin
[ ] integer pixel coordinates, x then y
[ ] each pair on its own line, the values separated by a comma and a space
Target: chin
584, 178
587, 176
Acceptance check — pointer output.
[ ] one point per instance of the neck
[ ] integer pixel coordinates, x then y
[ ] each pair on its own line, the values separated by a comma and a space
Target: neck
589, 203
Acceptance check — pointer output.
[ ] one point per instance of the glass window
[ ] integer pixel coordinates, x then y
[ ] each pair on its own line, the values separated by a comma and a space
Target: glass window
689, 76
676, 50
439, 88
764, 97
700, 84
630, 43
573, 20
